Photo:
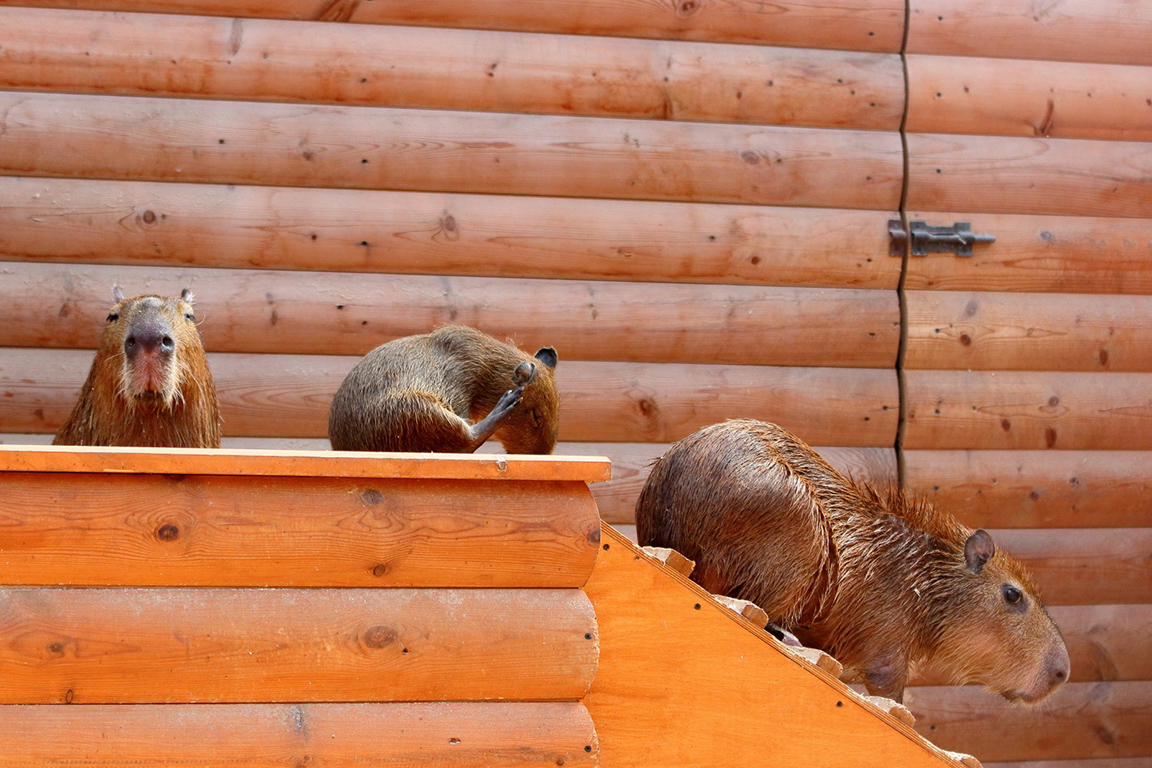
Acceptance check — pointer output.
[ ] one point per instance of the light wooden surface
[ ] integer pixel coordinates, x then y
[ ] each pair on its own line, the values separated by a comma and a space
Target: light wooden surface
1028, 410
175, 529
1003, 174
1111, 31
1036, 489
351, 314
268, 60
147, 139
289, 395
979, 330
1006, 97
468, 735
870, 25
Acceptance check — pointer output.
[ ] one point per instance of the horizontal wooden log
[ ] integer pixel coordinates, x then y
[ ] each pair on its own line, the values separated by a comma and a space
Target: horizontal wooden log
269, 60
1006, 97
351, 314
1080, 721
202, 530
1000, 174
1028, 331
1035, 489
1068, 254
1110, 31
1028, 410
117, 646
866, 25
73, 220
145, 139
468, 735
289, 396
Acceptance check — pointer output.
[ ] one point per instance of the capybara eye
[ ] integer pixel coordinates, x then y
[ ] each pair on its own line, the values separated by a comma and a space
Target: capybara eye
189, 317
1011, 594
113, 317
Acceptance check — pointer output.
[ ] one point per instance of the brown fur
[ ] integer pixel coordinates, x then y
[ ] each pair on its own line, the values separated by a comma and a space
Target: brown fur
155, 397
880, 581
418, 393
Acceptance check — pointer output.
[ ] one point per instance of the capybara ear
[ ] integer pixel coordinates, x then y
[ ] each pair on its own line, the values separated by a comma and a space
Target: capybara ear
547, 355
186, 294
524, 374
978, 550
117, 294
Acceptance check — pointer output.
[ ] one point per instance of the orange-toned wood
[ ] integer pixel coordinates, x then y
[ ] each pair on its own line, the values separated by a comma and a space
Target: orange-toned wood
289, 395
1028, 410
1006, 97
73, 220
1001, 174
1036, 489
117, 646
1082, 720
331, 313
1028, 331
268, 60
237, 530
1112, 31
1069, 254
728, 678
468, 735
867, 25
374, 148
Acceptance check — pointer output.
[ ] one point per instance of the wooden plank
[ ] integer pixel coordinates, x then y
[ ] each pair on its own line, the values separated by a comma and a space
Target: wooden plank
351, 314
236, 530
1001, 174
1081, 721
730, 678
1028, 331
1070, 254
1110, 31
151, 646
866, 25
383, 148
291, 61
110, 222
1006, 97
1028, 410
1036, 489
289, 395
468, 735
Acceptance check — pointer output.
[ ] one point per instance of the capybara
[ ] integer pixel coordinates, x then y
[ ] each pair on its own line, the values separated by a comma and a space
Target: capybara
149, 384
883, 582
419, 394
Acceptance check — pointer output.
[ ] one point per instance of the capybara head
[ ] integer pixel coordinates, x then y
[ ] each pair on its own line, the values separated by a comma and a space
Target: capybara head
533, 425
148, 333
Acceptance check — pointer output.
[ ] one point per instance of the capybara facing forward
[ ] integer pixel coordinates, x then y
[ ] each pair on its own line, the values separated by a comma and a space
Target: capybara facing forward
418, 394
149, 385
882, 582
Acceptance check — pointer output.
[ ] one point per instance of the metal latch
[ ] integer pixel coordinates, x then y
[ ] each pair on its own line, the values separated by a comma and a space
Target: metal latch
957, 239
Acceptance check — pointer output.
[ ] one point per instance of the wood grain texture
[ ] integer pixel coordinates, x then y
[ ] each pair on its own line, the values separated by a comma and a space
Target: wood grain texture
92, 221
468, 735
372, 65
116, 646
1028, 331
351, 314
1063, 254
1110, 31
729, 679
866, 25
1028, 410
1002, 174
1006, 97
289, 396
1036, 489
189, 530
145, 139
1081, 721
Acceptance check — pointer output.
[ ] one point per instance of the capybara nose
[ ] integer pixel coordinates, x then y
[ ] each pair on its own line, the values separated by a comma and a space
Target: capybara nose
1059, 666
149, 341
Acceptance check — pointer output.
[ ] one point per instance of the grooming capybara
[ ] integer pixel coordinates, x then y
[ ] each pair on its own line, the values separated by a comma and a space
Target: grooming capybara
882, 582
149, 384
418, 394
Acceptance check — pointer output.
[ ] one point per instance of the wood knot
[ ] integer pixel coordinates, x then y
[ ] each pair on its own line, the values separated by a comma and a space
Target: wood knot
56, 648
750, 157
449, 227
380, 570
371, 496
688, 7
965, 339
594, 536
168, 532
148, 218
379, 636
